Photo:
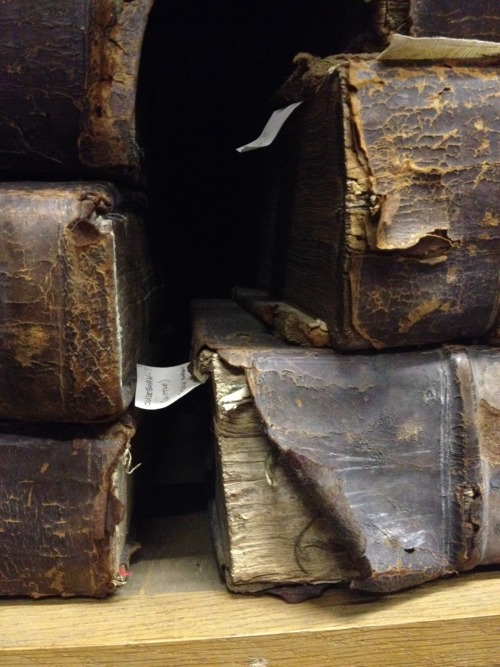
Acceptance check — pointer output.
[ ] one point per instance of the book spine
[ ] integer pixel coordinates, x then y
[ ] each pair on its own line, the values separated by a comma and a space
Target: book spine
68, 84
63, 508
76, 287
382, 222
439, 18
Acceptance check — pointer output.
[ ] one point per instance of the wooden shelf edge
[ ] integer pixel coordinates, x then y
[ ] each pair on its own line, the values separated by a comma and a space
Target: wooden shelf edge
454, 622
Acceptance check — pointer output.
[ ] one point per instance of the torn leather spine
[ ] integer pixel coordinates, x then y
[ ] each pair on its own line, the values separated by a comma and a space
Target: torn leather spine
397, 452
389, 202
267, 534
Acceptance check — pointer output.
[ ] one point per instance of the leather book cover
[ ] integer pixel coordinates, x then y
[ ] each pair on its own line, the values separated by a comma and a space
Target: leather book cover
385, 223
68, 85
458, 19
64, 508
267, 534
76, 296
391, 460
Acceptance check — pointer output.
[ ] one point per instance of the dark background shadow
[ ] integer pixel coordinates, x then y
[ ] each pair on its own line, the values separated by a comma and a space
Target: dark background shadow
208, 70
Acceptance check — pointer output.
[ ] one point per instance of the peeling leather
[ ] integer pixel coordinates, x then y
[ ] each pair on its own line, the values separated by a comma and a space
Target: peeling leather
394, 199
395, 449
383, 490
288, 322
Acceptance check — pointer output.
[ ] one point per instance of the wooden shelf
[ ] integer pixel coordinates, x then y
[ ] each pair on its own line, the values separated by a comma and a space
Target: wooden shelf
175, 612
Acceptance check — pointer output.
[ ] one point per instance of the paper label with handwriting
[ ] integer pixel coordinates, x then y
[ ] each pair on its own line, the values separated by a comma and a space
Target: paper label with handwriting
160, 387
270, 131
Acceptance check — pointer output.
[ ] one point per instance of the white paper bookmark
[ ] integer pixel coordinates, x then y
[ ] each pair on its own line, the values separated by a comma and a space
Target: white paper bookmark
159, 387
270, 131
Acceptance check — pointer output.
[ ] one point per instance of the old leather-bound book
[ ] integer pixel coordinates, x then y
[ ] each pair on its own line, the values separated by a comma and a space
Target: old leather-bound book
266, 532
384, 223
76, 286
439, 18
68, 84
378, 469
64, 508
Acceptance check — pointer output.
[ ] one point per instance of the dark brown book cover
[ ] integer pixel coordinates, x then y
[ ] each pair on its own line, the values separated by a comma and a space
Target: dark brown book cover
439, 18
68, 84
385, 223
397, 451
64, 508
76, 288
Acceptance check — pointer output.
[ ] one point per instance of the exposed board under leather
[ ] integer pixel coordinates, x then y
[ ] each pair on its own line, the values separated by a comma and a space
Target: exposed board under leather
76, 286
397, 452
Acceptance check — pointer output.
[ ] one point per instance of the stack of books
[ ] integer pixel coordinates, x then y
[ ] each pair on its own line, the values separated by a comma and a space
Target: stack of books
76, 290
357, 401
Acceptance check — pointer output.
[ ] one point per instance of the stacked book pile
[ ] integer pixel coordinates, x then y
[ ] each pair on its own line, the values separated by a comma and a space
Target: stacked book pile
356, 406
356, 391
76, 285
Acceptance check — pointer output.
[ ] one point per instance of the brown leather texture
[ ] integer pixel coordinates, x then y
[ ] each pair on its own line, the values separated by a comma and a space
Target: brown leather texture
398, 450
59, 509
76, 284
439, 18
68, 85
385, 223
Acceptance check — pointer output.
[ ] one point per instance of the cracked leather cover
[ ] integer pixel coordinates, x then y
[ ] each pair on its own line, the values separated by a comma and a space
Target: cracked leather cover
60, 509
68, 83
386, 226
399, 450
76, 284
439, 18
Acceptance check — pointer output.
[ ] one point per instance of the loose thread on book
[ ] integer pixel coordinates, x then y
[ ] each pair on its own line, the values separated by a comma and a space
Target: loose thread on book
270, 467
300, 548
127, 462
